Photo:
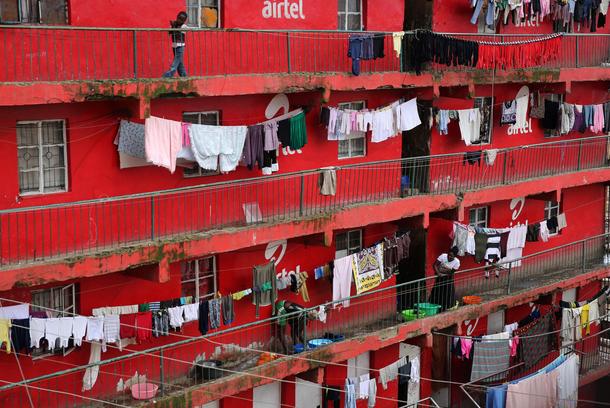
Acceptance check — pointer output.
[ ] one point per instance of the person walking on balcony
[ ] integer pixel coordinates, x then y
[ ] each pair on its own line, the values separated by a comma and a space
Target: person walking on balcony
178, 43
443, 291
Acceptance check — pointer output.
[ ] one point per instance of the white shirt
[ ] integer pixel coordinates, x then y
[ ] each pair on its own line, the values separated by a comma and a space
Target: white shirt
448, 265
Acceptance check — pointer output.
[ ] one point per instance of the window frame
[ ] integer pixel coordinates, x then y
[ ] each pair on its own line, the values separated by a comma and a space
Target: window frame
199, 172
197, 278
348, 250
479, 102
198, 25
41, 186
482, 222
353, 105
347, 13
24, 17
552, 208
64, 310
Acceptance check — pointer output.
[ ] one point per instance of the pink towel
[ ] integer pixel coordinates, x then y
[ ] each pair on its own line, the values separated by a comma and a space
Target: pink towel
598, 119
513, 346
162, 141
186, 138
466, 347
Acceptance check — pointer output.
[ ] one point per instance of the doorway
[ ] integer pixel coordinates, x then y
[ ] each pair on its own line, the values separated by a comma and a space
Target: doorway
416, 149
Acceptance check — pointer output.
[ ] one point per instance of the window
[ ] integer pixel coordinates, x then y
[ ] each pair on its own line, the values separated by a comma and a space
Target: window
551, 209
350, 15
355, 145
201, 118
479, 217
203, 13
486, 106
41, 149
55, 302
48, 12
199, 278
347, 243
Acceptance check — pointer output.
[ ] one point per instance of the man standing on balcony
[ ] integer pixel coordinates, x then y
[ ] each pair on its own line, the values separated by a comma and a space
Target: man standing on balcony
443, 292
296, 317
178, 43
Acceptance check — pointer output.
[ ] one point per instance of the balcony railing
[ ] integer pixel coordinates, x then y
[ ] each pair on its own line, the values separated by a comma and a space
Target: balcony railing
171, 366
80, 228
39, 53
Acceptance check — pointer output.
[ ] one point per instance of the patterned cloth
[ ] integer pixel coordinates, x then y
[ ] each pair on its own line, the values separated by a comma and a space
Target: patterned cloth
491, 355
533, 349
131, 139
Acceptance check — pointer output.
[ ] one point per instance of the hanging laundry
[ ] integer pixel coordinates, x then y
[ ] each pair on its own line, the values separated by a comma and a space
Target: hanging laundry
509, 113
409, 115
21, 311
203, 317
543, 385
131, 139
522, 102
491, 355
5, 337
470, 125
176, 316
342, 279
490, 156
397, 42
551, 115
144, 330
228, 313
112, 325
254, 147
518, 54
368, 268
20, 334
567, 118
214, 311
260, 275
298, 131
327, 181
533, 349
443, 121
95, 329
472, 158
162, 142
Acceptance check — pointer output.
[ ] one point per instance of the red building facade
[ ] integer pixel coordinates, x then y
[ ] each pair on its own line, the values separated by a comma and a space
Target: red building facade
84, 234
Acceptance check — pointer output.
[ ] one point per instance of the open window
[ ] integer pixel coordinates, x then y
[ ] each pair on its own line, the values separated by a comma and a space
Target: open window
203, 13
48, 12
57, 301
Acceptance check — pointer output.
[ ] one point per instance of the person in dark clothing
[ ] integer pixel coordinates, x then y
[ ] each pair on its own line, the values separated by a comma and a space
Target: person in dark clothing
178, 43
295, 316
443, 291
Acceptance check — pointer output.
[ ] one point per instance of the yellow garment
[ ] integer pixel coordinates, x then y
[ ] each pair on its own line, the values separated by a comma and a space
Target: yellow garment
584, 319
240, 295
303, 286
397, 42
209, 17
5, 337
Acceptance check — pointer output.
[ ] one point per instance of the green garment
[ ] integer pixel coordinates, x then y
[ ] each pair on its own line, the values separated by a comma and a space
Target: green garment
298, 131
280, 311
266, 286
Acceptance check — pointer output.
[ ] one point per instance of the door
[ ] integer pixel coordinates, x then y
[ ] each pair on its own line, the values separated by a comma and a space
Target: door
418, 14
267, 396
411, 269
416, 149
410, 392
308, 394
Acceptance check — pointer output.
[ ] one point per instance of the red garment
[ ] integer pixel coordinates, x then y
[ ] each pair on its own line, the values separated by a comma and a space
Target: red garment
128, 325
144, 326
518, 55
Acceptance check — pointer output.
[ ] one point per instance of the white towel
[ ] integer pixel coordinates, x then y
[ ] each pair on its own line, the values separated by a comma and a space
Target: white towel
205, 143
65, 330
79, 328
52, 331
112, 326
90, 376
561, 221
364, 386
37, 331
235, 138
95, 328
21, 311
191, 312
175, 316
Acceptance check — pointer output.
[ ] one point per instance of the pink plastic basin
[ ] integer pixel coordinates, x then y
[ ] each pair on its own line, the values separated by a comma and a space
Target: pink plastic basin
144, 391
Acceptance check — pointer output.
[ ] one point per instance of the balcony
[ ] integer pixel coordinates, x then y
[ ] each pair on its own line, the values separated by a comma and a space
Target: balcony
240, 348
34, 235
44, 56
